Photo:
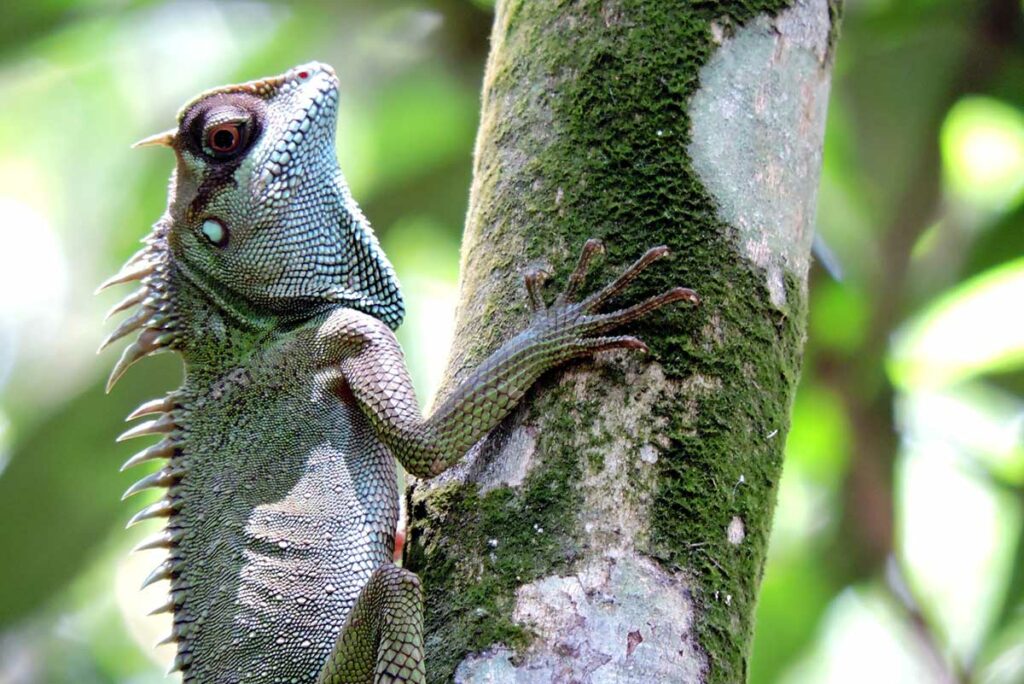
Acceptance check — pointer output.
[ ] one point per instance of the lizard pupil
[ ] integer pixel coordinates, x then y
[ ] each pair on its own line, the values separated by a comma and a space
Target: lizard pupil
225, 138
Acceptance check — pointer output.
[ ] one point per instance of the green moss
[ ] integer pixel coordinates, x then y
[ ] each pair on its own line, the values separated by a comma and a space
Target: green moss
472, 551
730, 466
615, 79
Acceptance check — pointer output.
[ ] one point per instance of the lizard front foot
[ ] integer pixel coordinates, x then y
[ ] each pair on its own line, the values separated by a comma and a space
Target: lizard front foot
577, 328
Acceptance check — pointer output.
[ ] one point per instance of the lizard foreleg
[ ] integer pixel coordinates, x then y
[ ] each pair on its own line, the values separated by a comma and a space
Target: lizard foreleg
371, 370
372, 366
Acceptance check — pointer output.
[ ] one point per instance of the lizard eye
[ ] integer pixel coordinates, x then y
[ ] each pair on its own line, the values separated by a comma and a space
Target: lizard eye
222, 127
226, 139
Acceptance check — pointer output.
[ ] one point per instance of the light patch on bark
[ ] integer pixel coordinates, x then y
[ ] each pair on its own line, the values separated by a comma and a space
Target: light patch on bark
511, 465
619, 616
617, 493
737, 531
757, 125
495, 461
615, 620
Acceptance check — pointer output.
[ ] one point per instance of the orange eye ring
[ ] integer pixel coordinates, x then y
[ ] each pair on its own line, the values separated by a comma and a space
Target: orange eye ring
225, 138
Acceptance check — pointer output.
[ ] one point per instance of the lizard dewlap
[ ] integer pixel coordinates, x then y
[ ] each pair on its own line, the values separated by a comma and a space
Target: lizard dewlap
279, 451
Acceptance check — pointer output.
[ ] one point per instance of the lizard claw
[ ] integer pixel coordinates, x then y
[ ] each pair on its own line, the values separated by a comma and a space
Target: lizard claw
534, 280
613, 319
591, 247
594, 301
582, 322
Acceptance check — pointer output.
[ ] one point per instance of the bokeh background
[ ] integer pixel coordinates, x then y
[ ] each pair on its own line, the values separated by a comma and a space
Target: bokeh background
898, 548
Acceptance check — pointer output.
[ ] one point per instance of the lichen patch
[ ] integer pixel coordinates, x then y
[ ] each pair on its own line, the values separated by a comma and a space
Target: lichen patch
614, 620
512, 463
618, 487
756, 147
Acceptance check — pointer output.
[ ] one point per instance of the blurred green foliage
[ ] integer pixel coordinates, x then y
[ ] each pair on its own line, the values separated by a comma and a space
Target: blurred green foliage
899, 526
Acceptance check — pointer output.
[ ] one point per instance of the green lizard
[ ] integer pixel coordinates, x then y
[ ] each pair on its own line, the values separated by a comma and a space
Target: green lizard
279, 449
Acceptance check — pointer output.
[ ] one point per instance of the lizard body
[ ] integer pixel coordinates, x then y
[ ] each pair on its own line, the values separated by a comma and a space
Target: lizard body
279, 449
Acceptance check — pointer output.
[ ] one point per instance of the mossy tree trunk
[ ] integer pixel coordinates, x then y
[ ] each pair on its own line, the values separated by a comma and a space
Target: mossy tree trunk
614, 527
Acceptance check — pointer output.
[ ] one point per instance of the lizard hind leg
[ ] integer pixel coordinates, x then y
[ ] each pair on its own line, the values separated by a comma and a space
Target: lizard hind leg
382, 639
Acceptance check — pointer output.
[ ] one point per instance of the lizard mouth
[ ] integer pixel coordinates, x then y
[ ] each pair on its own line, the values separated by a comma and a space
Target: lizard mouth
153, 313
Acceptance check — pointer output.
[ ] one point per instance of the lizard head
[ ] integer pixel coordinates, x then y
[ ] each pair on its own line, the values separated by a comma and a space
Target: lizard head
259, 218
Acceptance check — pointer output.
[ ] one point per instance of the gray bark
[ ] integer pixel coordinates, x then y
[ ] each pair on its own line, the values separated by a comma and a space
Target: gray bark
614, 527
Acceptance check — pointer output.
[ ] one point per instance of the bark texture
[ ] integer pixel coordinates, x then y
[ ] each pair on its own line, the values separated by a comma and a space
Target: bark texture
614, 528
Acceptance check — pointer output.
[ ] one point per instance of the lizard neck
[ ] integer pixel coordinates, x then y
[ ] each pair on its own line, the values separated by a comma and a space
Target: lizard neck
216, 332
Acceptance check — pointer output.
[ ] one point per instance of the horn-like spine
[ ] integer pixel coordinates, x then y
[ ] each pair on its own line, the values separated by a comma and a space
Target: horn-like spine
165, 607
163, 424
160, 320
142, 254
164, 539
181, 662
160, 572
149, 342
169, 639
140, 318
162, 139
161, 478
162, 449
174, 600
128, 302
131, 271
161, 509
161, 405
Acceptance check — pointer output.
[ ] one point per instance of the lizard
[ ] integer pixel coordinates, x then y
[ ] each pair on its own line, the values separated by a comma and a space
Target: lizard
278, 452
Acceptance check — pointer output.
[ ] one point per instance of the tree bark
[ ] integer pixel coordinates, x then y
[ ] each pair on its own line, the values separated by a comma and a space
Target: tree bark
614, 527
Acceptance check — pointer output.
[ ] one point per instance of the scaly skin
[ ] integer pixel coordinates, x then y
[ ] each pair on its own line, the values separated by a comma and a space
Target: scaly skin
281, 497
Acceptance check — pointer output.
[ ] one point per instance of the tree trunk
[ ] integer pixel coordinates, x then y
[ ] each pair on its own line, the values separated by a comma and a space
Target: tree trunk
614, 527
